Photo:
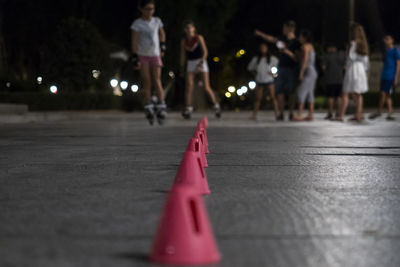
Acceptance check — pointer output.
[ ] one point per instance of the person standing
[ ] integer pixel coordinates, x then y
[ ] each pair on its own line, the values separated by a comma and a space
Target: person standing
287, 79
148, 45
390, 77
356, 76
333, 66
194, 53
307, 76
261, 66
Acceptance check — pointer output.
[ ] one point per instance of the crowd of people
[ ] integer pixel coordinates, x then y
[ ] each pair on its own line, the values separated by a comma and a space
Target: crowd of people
346, 73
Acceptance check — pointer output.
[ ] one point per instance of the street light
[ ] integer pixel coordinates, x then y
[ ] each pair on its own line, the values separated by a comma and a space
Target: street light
134, 88
53, 89
114, 83
252, 85
124, 85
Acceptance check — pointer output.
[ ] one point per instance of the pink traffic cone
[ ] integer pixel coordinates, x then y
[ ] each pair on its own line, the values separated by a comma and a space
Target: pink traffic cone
203, 149
204, 121
200, 127
184, 235
194, 145
191, 170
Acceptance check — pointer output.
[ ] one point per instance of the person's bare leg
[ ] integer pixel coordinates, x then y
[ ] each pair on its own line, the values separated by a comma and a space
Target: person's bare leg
354, 96
156, 80
310, 116
331, 103
281, 103
146, 79
389, 105
189, 89
390, 108
257, 102
345, 103
382, 102
207, 87
338, 106
161, 107
359, 103
299, 115
271, 89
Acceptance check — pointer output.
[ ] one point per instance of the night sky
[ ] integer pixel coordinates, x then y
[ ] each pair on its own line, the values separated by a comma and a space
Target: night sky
27, 26
327, 18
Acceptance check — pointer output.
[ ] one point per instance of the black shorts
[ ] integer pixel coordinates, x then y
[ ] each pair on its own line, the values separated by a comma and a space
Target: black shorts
334, 90
265, 84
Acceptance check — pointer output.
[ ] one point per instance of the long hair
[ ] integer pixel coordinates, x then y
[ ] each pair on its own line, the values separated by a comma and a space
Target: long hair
260, 55
359, 36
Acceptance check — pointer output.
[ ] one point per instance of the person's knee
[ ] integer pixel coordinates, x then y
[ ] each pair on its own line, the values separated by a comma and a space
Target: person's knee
208, 89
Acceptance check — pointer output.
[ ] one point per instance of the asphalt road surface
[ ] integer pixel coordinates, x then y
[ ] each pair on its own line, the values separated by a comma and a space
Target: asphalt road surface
88, 190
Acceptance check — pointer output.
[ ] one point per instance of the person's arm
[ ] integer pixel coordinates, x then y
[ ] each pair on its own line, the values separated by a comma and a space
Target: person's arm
134, 58
204, 47
290, 54
303, 61
161, 33
267, 37
163, 38
396, 78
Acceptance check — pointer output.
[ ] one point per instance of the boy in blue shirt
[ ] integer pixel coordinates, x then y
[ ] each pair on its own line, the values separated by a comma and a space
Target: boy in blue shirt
390, 77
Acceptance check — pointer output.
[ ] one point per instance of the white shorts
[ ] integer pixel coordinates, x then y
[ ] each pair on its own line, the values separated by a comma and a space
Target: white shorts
193, 66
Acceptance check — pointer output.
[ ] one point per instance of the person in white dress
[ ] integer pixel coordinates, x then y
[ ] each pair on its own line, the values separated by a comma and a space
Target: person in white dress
356, 76
263, 66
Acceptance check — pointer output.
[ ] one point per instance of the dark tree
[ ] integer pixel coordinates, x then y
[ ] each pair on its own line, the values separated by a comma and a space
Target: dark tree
74, 52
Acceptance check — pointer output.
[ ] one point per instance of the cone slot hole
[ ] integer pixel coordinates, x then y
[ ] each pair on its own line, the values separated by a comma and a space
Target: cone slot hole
201, 137
201, 167
197, 146
195, 216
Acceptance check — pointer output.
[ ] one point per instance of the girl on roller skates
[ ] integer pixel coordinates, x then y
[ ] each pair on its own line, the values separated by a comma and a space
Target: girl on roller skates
194, 53
148, 47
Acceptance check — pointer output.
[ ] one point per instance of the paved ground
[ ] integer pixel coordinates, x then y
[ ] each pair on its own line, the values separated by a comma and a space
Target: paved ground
88, 191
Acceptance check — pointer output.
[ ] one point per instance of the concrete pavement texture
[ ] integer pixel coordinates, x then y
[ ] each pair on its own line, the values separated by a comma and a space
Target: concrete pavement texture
88, 189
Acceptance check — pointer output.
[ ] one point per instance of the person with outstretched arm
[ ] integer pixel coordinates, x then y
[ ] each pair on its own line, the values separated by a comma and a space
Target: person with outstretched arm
288, 71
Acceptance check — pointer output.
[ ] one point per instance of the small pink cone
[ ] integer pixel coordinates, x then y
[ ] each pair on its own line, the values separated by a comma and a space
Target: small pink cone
191, 170
201, 128
204, 121
184, 235
200, 135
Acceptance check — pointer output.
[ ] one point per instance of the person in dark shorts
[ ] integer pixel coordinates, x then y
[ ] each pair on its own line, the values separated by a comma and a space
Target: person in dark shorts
288, 71
390, 77
333, 66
